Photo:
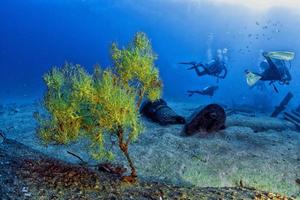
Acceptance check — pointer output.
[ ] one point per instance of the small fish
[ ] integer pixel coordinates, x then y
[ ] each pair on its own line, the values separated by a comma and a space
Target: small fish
257, 23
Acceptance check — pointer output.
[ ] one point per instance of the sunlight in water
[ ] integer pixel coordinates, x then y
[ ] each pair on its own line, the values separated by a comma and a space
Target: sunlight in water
256, 5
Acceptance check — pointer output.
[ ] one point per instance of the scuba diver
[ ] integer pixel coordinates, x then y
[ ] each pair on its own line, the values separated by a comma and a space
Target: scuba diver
207, 91
274, 69
216, 67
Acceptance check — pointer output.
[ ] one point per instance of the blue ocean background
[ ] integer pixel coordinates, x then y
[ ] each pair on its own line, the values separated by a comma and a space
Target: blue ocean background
37, 34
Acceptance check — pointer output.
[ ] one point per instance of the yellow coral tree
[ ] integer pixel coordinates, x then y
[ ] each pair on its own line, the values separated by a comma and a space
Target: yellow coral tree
106, 102
135, 67
65, 122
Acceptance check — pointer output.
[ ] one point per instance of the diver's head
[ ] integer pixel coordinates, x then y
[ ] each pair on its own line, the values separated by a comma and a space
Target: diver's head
264, 53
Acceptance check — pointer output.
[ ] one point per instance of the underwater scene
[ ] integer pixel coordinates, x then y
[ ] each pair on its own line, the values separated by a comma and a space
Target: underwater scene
153, 99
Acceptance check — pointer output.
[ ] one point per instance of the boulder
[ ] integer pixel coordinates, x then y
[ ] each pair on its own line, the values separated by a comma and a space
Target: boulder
209, 119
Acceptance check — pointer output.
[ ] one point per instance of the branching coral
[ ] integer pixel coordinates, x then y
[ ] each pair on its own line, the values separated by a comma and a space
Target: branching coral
59, 101
135, 67
106, 102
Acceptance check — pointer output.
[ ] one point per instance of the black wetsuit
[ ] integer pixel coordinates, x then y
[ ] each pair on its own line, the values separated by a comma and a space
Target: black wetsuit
276, 72
215, 68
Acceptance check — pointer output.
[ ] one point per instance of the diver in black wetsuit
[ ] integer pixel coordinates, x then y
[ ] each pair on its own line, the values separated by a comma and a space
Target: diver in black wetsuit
215, 67
274, 70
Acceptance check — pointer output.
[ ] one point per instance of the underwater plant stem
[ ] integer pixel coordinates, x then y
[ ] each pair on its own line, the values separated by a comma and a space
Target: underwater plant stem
140, 99
73, 154
124, 148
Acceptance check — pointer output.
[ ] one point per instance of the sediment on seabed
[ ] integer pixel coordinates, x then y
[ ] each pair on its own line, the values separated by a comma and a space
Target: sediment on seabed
28, 174
254, 151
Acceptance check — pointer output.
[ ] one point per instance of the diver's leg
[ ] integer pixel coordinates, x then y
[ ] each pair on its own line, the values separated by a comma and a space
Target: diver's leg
286, 75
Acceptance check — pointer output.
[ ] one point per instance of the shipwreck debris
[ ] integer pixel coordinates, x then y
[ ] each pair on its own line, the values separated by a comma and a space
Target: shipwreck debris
158, 111
283, 104
293, 117
209, 119
240, 110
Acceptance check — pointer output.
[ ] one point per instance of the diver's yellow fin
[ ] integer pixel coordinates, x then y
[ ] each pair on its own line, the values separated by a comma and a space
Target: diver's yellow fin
281, 55
252, 78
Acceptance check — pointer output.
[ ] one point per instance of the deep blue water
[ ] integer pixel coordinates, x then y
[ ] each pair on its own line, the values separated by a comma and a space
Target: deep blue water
37, 34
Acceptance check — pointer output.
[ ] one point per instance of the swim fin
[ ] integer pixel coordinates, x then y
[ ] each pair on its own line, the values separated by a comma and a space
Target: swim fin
281, 55
252, 78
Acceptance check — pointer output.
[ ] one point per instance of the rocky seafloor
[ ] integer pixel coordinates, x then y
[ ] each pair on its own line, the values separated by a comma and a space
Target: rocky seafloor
254, 151
28, 174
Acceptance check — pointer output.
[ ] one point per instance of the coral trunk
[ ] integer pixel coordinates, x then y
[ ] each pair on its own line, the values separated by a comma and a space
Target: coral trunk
124, 148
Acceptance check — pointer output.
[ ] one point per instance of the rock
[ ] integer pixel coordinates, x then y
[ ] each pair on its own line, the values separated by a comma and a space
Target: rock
209, 119
158, 111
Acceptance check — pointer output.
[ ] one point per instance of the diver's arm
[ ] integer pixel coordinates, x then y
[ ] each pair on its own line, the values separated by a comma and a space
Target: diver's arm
201, 73
224, 74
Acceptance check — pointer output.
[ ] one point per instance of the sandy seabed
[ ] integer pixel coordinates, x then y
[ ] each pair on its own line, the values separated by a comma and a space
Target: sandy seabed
253, 151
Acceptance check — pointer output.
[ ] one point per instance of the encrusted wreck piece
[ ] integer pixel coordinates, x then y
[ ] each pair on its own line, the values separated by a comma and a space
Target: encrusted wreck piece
209, 119
158, 111
293, 117
282, 106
